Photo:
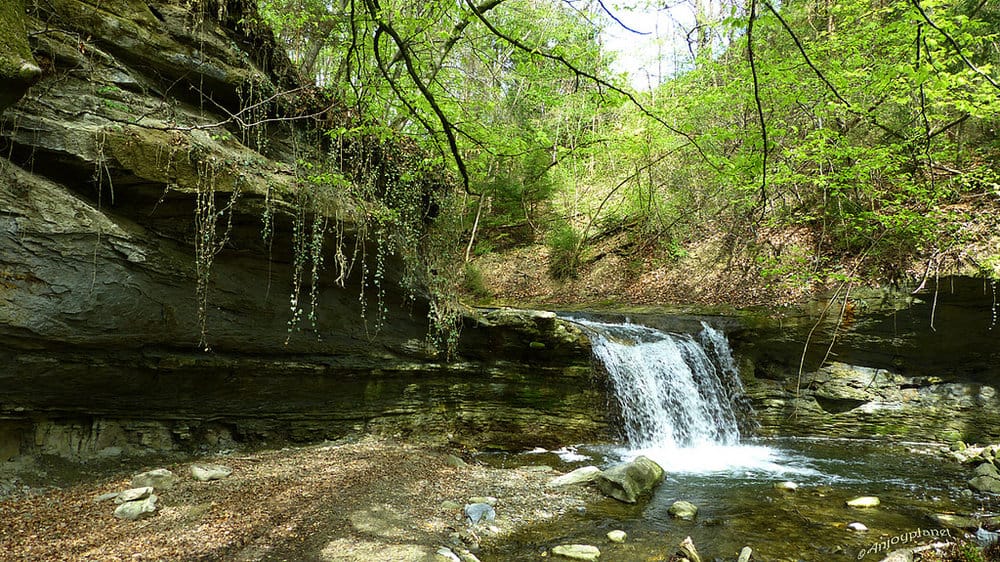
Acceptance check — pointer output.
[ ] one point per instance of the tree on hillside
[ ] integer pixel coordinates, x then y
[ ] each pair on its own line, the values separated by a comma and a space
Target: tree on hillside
868, 124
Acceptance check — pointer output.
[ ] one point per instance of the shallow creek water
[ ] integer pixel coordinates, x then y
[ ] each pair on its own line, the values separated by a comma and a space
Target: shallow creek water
734, 489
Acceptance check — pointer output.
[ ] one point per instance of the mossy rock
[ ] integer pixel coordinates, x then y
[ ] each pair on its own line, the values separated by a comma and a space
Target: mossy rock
18, 70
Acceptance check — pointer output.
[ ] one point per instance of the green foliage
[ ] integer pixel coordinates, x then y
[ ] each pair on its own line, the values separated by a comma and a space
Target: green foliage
881, 122
965, 551
474, 284
564, 260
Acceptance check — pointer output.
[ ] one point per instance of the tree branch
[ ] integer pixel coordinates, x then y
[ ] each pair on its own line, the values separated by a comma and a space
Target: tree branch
374, 10
760, 107
954, 44
592, 77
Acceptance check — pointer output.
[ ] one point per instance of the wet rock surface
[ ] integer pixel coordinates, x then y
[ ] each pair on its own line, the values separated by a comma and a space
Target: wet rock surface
104, 162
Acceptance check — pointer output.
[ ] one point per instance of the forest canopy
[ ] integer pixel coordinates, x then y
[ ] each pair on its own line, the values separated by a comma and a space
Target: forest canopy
805, 142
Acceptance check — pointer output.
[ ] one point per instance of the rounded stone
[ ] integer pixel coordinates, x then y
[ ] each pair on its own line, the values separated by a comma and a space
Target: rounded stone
864, 501
617, 536
683, 510
786, 486
207, 472
577, 551
29, 73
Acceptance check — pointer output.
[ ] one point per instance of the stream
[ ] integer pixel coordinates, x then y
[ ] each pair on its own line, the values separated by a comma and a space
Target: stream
680, 403
739, 505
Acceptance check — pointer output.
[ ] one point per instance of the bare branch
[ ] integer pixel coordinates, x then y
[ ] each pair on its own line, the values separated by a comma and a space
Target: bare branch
576, 70
756, 98
374, 10
618, 21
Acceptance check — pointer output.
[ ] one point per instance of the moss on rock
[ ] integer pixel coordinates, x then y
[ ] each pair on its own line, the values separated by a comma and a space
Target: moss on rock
18, 70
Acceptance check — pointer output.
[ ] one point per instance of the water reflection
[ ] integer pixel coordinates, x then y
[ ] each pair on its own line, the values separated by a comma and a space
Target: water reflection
739, 504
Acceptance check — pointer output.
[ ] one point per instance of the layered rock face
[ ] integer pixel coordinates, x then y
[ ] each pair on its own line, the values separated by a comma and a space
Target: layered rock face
921, 366
114, 169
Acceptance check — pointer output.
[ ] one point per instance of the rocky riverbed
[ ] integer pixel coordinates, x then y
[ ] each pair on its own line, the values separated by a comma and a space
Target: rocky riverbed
365, 499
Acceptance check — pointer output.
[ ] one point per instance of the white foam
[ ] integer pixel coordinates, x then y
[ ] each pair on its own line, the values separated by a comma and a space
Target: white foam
757, 460
570, 454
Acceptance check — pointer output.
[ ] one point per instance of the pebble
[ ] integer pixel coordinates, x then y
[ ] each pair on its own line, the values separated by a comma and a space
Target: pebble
857, 526
207, 472
864, 501
454, 461
617, 536
577, 551
786, 486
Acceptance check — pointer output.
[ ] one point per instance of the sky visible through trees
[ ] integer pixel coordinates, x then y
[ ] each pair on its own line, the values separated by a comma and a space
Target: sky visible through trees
807, 140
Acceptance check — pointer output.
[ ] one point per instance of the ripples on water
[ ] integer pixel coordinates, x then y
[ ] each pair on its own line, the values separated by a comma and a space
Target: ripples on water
681, 404
734, 488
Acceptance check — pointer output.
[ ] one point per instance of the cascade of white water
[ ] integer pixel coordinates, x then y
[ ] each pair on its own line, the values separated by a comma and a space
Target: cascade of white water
674, 390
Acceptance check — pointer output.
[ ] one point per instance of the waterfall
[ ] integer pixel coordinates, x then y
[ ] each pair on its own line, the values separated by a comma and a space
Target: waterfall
673, 390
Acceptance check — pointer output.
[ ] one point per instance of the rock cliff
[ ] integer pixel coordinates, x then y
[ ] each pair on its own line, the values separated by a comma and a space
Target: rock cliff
917, 365
148, 194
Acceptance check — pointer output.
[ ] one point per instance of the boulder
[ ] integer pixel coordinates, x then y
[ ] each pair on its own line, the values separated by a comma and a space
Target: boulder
581, 475
986, 484
577, 551
683, 510
160, 479
628, 481
207, 472
138, 509
617, 536
987, 469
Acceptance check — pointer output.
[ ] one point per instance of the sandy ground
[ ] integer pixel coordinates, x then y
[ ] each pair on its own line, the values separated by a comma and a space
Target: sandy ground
373, 499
